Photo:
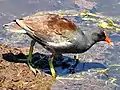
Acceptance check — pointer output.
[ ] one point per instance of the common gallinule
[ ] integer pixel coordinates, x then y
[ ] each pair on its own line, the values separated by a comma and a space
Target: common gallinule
56, 34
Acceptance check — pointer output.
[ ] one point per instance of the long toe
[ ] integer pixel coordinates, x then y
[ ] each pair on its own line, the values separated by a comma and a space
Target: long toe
34, 70
104, 72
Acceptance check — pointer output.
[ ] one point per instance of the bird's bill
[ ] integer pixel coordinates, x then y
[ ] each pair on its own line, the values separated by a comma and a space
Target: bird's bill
108, 40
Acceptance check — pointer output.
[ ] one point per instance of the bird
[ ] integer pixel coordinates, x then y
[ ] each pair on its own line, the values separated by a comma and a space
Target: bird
57, 34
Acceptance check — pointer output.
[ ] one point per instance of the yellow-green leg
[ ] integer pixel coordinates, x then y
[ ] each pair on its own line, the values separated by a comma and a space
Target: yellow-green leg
52, 67
29, 60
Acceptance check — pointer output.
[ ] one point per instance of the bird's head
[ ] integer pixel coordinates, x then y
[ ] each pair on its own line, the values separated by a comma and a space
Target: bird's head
101, 35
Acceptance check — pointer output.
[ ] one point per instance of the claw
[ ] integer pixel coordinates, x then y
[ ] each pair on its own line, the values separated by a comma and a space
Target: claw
34, 70
104, 72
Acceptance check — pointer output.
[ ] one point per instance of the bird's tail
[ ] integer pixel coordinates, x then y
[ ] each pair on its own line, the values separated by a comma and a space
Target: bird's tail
14, 27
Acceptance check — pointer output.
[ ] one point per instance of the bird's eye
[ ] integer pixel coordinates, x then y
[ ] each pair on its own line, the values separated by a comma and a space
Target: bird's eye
99, 36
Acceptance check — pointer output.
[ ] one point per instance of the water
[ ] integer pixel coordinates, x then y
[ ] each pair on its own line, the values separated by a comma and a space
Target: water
112, 55
109, 8
12, 9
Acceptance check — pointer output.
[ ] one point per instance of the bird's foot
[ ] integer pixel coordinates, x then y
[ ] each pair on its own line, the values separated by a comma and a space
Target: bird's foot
34, 70
104, 72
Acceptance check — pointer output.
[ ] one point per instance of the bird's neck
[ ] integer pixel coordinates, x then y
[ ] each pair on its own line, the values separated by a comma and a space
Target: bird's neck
90, 41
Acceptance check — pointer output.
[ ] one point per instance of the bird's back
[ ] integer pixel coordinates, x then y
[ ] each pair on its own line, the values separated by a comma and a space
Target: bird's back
49, 29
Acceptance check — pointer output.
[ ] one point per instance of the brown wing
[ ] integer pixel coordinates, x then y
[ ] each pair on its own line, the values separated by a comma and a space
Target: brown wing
49, 24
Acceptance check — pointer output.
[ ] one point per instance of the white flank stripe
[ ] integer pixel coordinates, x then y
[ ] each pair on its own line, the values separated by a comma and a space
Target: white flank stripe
63, 44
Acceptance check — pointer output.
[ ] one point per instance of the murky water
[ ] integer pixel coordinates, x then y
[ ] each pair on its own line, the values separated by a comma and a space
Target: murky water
112, 55
109, 8
11, 9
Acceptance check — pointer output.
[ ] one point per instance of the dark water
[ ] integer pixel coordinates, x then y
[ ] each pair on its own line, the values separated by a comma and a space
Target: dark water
11, 9
112, 55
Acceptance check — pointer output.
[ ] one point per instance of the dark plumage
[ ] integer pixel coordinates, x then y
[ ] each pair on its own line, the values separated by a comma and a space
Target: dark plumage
57, 34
